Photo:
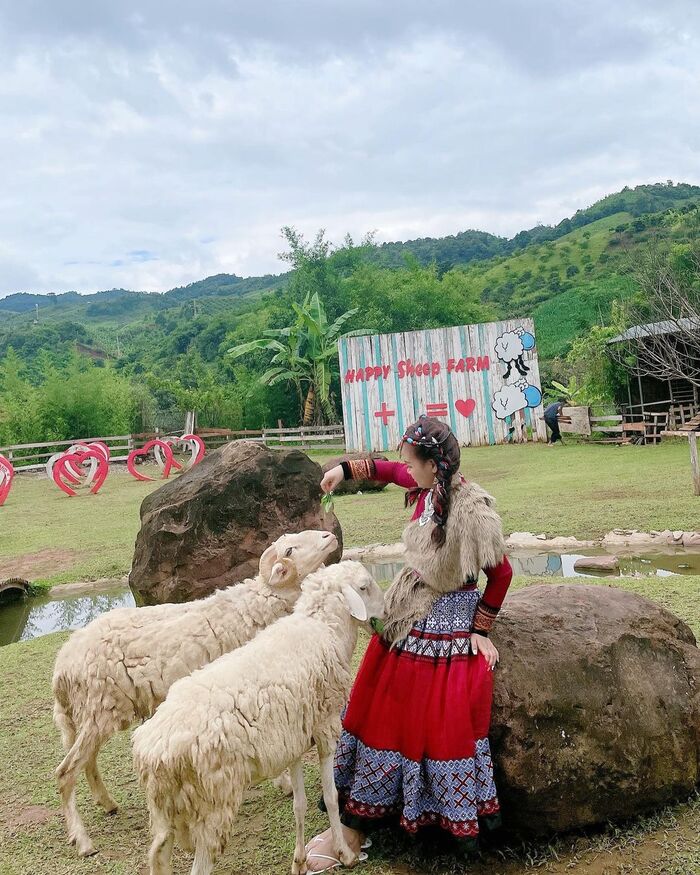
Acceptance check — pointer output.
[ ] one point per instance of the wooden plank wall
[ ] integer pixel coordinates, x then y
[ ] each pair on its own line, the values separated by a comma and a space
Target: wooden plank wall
458, 367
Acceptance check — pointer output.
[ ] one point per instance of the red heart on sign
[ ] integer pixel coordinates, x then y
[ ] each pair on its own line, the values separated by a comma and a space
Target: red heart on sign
466, 408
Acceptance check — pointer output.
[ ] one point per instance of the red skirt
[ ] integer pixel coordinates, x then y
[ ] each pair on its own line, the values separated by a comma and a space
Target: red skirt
415, 731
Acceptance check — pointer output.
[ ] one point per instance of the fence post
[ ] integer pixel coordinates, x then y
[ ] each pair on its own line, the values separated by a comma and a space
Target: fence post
694, 463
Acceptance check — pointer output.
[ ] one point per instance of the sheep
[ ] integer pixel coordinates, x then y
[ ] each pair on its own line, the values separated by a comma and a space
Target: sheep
119, 668
250, 714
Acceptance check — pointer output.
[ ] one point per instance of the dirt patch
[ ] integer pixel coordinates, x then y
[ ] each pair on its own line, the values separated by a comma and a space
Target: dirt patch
43, 563
32, 815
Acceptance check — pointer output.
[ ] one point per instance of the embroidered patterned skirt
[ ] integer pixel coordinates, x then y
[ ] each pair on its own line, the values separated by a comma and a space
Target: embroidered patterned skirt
415, 731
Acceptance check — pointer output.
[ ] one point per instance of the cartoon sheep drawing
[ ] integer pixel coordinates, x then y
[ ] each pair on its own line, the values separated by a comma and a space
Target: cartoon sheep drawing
510, 347
515, 396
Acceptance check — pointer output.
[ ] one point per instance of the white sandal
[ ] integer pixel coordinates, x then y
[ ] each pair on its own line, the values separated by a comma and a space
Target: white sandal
334, 863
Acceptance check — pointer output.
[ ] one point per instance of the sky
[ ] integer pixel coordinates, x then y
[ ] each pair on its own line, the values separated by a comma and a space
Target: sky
149, 144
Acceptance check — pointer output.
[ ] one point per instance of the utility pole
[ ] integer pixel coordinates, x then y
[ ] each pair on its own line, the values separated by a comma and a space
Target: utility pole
36, 314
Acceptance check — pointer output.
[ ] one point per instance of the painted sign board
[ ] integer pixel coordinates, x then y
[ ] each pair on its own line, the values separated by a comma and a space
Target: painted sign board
482, 379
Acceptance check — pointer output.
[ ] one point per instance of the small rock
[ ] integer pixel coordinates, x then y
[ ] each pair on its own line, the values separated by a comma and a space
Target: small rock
691, 539
597, 563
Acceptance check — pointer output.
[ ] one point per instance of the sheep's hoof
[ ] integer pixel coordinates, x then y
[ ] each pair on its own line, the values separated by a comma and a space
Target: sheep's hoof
347, 856
87, 850
112, 808
299, 867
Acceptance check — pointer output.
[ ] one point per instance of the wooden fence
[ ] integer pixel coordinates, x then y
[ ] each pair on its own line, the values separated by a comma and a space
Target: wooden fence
33, 457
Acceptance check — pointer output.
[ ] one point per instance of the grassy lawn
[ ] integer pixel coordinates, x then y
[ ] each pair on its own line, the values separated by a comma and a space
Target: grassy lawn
31, 831
577, 489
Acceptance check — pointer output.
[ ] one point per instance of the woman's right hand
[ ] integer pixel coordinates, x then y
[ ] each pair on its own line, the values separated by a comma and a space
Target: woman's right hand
332, 479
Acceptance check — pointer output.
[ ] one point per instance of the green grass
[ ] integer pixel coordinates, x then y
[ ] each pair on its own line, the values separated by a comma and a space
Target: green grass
32, 841
62, 539
577, 489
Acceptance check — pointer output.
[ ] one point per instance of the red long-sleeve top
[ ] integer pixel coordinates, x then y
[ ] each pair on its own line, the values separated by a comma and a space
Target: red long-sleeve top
498, 577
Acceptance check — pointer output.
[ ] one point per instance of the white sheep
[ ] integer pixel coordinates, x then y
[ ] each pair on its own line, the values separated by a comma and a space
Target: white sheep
250, 714
509, 346
119, 668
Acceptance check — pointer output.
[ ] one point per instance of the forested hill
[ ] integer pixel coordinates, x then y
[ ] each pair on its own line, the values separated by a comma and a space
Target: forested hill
445, 252
173, 346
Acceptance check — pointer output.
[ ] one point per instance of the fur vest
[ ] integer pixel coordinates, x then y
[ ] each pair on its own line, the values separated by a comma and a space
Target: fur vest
473, 540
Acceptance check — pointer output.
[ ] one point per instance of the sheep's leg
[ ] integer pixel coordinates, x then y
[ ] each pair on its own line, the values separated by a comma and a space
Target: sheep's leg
296, 774
161, 851
83, 749
326, 755
284, 783
203, 860
99, 792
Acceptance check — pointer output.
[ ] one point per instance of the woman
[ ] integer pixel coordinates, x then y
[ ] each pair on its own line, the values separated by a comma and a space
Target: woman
414, 746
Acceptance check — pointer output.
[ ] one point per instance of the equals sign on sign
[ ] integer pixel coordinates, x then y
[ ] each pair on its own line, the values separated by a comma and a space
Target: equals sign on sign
436, 409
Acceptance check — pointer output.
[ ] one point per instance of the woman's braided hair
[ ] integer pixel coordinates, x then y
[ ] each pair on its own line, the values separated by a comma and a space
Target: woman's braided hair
434, 441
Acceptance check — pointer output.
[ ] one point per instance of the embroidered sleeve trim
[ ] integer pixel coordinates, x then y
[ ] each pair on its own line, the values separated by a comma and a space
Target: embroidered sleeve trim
359, 469
484, 618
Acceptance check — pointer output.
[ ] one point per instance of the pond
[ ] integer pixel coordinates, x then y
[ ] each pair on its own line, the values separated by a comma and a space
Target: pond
32, 617
529, 563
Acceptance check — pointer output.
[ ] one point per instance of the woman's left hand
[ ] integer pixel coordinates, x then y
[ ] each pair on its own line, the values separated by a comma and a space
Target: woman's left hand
481, 644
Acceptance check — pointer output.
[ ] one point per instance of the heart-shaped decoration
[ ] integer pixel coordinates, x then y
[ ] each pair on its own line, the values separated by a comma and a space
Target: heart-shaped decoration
198, 447
164, 458
7, 472
70, 467
73, 472
466, 408
188, 443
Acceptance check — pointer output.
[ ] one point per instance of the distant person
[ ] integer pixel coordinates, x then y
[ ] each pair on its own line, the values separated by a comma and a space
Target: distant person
551, 417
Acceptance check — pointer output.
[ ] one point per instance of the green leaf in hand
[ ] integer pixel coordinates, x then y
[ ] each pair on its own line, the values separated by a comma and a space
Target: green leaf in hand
377, 625
327, 502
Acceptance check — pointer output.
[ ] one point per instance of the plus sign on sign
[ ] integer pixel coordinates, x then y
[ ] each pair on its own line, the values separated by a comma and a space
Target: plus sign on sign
483, 380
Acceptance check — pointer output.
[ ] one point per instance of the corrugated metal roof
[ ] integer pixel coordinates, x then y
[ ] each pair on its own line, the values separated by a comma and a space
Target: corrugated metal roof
669, 326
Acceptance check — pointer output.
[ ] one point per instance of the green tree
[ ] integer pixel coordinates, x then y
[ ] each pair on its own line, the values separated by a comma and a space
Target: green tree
305, 356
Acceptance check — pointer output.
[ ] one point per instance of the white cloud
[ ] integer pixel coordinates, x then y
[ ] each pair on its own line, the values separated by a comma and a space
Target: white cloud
193, 134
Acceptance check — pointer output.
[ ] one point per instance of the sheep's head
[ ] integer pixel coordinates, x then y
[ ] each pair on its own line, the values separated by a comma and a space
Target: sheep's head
288, 560
363, 597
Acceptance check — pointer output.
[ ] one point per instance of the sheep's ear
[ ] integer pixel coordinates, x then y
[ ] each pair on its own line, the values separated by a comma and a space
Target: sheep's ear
281, 573
267, 560
357, 607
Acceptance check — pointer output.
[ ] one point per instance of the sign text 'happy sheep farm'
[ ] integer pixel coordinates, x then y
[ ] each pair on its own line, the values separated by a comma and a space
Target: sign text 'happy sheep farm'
482, 379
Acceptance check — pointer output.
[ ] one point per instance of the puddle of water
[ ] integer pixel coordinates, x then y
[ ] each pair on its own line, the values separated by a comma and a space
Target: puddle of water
32, 617
533, 564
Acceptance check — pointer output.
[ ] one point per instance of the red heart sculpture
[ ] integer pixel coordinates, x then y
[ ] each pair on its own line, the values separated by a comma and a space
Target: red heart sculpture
7, 472
167, 452
66, 465
198, 444
466, 408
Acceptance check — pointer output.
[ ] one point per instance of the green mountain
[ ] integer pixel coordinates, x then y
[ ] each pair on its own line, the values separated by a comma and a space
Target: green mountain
565, 276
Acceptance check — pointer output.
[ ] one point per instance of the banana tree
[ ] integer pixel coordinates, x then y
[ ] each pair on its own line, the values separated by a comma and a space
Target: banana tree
287, 365
305, 355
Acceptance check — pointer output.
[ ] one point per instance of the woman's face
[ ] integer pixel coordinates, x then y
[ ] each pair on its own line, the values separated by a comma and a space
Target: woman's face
423, 471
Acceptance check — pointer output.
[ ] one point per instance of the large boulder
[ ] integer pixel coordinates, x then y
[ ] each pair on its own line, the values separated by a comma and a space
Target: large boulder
208, 528
596, 707
350, 487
